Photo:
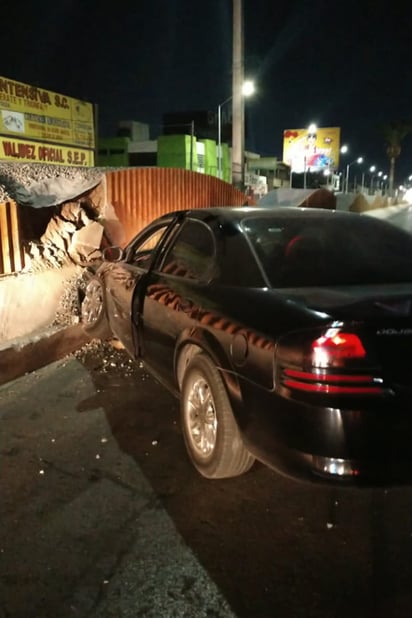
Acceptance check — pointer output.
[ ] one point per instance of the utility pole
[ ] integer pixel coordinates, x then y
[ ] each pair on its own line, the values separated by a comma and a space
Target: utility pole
192, 137
238, 108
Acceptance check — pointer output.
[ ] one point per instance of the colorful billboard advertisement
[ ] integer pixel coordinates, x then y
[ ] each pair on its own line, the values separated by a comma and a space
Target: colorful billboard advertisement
313, 150
31, 114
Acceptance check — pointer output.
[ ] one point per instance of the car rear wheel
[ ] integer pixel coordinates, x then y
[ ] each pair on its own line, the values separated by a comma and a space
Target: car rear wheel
93, 314
211, 435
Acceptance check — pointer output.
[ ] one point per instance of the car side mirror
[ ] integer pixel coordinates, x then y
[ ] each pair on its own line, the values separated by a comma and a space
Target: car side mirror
112, 254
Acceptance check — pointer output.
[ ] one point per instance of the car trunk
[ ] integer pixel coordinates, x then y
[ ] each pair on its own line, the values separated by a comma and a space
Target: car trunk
381, 315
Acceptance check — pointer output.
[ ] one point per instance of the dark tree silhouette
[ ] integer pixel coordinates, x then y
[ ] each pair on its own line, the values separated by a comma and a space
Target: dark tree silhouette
394, 133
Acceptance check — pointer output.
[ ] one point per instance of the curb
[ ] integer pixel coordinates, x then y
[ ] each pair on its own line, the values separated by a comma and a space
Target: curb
18, 360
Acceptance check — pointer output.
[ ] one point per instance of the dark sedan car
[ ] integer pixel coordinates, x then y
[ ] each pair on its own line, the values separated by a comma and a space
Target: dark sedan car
286, 333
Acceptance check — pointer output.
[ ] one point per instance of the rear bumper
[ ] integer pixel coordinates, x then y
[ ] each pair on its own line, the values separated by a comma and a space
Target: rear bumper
385, 471
338, 445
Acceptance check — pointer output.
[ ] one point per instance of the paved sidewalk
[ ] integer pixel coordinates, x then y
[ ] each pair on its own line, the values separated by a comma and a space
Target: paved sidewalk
27, 354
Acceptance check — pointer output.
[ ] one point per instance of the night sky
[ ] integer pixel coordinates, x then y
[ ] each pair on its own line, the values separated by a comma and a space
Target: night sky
346, 64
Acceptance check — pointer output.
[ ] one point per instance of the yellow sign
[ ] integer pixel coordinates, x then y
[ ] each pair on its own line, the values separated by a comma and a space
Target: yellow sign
25, 151
34, 113
313, 151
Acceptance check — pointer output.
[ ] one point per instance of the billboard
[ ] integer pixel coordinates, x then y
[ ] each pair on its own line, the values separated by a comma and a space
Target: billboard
313, 151
43, 126
25, 151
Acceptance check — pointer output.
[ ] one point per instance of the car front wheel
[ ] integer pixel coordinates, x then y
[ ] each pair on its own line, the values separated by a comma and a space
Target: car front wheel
211, 435
93, 314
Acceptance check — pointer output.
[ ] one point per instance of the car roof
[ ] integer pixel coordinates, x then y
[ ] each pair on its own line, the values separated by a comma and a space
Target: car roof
237, 213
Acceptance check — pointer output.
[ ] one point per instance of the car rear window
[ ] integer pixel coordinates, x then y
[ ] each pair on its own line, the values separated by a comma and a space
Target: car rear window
329, 251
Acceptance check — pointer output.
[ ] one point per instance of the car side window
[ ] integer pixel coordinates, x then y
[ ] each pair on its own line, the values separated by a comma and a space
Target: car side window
193, 254
142, 253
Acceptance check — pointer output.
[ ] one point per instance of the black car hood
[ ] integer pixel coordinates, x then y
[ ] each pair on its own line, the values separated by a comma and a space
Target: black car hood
355, 302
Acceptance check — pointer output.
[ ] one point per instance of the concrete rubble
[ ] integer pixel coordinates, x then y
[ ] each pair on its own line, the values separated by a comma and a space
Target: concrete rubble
39, 307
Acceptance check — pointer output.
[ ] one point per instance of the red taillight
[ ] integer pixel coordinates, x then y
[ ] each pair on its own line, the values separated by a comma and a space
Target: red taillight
337, 346
330, 369
334, 384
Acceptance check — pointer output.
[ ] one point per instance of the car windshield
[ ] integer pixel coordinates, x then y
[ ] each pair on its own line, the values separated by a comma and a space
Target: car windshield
330, 251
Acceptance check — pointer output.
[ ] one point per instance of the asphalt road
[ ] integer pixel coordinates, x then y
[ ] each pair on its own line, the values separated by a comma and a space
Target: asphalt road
102, 515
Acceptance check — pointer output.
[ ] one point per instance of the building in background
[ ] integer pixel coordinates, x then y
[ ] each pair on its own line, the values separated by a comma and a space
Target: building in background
262, 174
188, 141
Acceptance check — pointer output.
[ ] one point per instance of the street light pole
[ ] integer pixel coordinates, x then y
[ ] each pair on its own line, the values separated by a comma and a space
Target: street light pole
248, 89
219, 141
378, 175
342, 185
372, 169
238, 120
192, 136
219, 136
358, 160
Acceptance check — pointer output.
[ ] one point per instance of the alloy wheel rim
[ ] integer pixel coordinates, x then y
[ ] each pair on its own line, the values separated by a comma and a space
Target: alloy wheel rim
201, 420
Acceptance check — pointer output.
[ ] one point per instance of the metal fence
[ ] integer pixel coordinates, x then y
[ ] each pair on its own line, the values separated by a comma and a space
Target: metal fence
138, 196
11, 253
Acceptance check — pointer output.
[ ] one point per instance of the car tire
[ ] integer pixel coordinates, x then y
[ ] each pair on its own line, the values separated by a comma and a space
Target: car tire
93, 315
211, 435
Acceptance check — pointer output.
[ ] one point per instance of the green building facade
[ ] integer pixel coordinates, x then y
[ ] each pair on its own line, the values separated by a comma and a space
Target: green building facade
113, 152
178, 151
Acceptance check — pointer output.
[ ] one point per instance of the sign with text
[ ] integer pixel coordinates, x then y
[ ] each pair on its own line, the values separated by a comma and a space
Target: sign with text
25, 151
314, 151
30, 112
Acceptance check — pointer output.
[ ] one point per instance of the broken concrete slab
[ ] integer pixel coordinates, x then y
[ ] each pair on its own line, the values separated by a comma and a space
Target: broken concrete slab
30, 301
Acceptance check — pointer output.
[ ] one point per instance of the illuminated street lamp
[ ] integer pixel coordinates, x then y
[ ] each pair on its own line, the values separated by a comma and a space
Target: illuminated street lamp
311, 130
328, 173
343, 149
358, 160
371, 170
248, 89
362, 181
379, 174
